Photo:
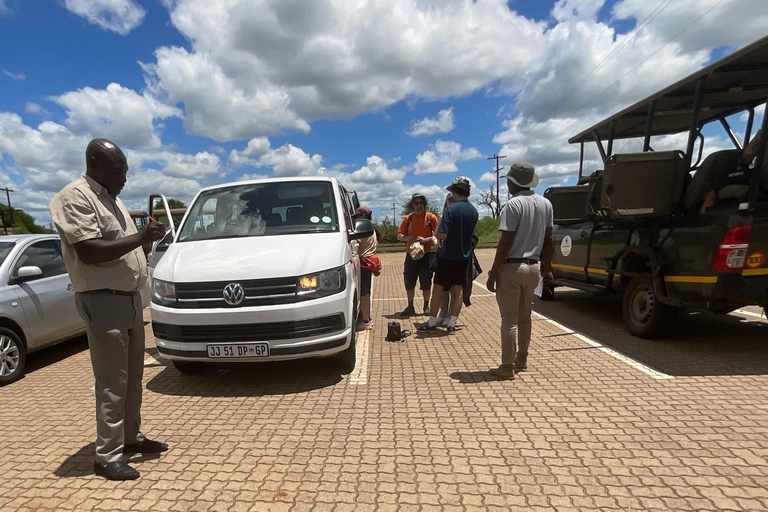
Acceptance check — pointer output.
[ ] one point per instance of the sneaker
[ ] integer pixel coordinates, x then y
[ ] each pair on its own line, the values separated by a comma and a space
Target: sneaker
426, 327
502, 373
521, 365
451, 329
444, 321
409, 311
367, 326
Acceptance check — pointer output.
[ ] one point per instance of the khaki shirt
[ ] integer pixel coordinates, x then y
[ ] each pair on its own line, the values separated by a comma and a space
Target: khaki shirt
83, 210
368, 246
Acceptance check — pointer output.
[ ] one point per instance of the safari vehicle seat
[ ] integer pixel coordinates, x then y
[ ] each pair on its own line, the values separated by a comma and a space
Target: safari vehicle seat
569, 204
645, 184
294, 215
712, 172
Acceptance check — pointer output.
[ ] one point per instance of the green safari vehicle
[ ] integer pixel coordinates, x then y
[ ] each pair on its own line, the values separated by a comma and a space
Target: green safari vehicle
640, 226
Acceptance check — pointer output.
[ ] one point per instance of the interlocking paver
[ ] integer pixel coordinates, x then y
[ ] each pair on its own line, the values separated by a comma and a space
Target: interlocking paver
429, 430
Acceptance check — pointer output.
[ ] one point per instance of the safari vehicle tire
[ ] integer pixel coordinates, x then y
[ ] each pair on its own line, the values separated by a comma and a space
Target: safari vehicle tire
13, 356
645, 316
548, 293
347, 358
189, 366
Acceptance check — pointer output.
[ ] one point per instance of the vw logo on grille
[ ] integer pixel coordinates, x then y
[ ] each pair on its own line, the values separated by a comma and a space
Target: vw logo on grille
234, 294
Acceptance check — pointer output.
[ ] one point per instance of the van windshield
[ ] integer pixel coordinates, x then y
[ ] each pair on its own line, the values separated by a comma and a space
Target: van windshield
261, 209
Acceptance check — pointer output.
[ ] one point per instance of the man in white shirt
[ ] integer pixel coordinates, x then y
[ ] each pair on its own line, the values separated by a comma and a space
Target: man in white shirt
526, 236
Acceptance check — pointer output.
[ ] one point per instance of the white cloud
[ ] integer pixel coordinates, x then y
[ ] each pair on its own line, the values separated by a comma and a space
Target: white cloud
444, 157
34, 108
376, 171
565, 10
180, 165
142, 184
117, 113
119, 16
289, 160
256, 147
4, 9
258, 67
14, 76
443, 123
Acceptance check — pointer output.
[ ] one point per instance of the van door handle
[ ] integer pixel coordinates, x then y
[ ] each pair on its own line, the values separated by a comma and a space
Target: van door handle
584, 233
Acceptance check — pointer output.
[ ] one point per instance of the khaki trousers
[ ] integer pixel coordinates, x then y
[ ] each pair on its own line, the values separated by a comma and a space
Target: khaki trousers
514, 294
115, 328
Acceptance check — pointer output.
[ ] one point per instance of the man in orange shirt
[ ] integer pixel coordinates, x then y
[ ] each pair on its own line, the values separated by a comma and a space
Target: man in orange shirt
419, 226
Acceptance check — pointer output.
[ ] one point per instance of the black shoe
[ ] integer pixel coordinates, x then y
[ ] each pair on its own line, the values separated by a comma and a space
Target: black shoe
426, 327
146, 446
451, 329
409, 311
115, 471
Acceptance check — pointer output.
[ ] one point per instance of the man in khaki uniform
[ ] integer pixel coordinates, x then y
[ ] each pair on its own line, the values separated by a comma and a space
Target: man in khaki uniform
526, 236
106, 261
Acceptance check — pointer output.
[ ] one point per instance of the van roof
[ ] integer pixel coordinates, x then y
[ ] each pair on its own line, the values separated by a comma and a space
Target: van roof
269, 180
733, 84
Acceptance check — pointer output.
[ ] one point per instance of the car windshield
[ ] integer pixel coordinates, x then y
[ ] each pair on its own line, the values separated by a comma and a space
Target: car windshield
261, 209
5, 250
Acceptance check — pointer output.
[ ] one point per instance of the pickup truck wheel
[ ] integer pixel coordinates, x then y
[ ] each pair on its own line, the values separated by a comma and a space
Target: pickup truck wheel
548, 293
13, 356
644, 315
347, 358
189, 366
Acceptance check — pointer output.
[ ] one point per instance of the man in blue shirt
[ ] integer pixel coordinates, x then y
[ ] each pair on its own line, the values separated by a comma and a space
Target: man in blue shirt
455, 231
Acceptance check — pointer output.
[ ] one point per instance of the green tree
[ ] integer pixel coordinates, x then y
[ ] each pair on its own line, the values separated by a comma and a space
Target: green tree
173, 204
23, 223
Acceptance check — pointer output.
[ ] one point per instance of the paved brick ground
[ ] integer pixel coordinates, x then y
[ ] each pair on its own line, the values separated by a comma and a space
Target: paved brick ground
602, 421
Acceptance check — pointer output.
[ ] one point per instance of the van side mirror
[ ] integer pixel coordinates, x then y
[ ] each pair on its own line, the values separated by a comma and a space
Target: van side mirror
28, 273
363, 229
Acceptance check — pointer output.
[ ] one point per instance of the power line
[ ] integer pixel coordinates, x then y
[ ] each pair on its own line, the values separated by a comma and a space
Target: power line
631, 70
646, 21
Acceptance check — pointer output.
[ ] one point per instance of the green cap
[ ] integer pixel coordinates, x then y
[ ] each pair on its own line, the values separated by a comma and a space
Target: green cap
523, 174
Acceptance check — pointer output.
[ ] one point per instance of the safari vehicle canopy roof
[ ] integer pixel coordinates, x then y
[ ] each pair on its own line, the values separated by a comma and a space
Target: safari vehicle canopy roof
733, 84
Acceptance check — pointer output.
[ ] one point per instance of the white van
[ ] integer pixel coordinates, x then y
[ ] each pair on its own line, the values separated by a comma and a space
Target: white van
260, 270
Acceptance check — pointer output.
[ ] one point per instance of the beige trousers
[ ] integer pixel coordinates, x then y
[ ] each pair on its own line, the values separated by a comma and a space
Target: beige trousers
115, 328
514, 294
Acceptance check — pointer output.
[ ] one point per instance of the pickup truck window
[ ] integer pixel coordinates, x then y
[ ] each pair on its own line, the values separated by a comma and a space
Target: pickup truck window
262, 209
5, 250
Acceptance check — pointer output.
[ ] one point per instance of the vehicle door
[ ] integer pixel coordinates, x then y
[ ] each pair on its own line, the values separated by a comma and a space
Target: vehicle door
47, 299
571, 250
608, 239
350, 227
159, 210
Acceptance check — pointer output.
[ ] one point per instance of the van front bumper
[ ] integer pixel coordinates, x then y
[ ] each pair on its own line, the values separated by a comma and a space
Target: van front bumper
316, 328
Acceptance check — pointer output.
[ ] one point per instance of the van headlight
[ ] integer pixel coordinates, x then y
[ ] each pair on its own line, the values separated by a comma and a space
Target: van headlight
323, 283
163, 292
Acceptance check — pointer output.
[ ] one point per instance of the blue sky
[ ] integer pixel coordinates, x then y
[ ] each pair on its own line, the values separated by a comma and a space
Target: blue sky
208, 91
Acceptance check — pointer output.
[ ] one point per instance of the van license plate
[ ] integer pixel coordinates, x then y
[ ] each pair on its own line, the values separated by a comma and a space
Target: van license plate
236, 350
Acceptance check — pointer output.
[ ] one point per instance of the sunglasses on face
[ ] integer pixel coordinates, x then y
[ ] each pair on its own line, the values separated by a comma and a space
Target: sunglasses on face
418, 203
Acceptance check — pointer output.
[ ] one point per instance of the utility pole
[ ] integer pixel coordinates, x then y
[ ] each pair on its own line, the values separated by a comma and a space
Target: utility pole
497, 158
394, 220
10, 207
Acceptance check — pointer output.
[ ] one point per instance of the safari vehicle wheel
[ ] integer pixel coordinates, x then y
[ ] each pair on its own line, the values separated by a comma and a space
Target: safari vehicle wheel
548, 293
13, 356
346, 359
644, 315
189, 366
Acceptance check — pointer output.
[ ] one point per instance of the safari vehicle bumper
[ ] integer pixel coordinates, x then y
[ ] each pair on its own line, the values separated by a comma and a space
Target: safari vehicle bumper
748, 290
320, 327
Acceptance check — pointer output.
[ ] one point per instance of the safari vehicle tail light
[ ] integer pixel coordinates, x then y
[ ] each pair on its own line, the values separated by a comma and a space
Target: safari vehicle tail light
733, 249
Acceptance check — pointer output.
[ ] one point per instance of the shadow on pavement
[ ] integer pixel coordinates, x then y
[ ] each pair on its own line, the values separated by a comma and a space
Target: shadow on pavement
248, 379
699, 344
80, 463
56, 353
473, 377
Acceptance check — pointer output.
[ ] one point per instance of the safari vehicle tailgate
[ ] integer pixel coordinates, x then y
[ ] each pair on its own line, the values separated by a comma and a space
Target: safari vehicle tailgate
755, 263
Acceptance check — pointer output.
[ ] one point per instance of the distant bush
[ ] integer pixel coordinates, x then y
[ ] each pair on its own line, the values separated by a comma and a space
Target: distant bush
487, 230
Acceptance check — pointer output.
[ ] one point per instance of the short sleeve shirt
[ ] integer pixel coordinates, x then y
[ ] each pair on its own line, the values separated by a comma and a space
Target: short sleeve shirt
421, 225
83, 210
528, 215
458, 222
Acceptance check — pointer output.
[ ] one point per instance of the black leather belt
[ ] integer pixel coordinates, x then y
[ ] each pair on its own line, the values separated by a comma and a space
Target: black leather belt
527, 261
107, 291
